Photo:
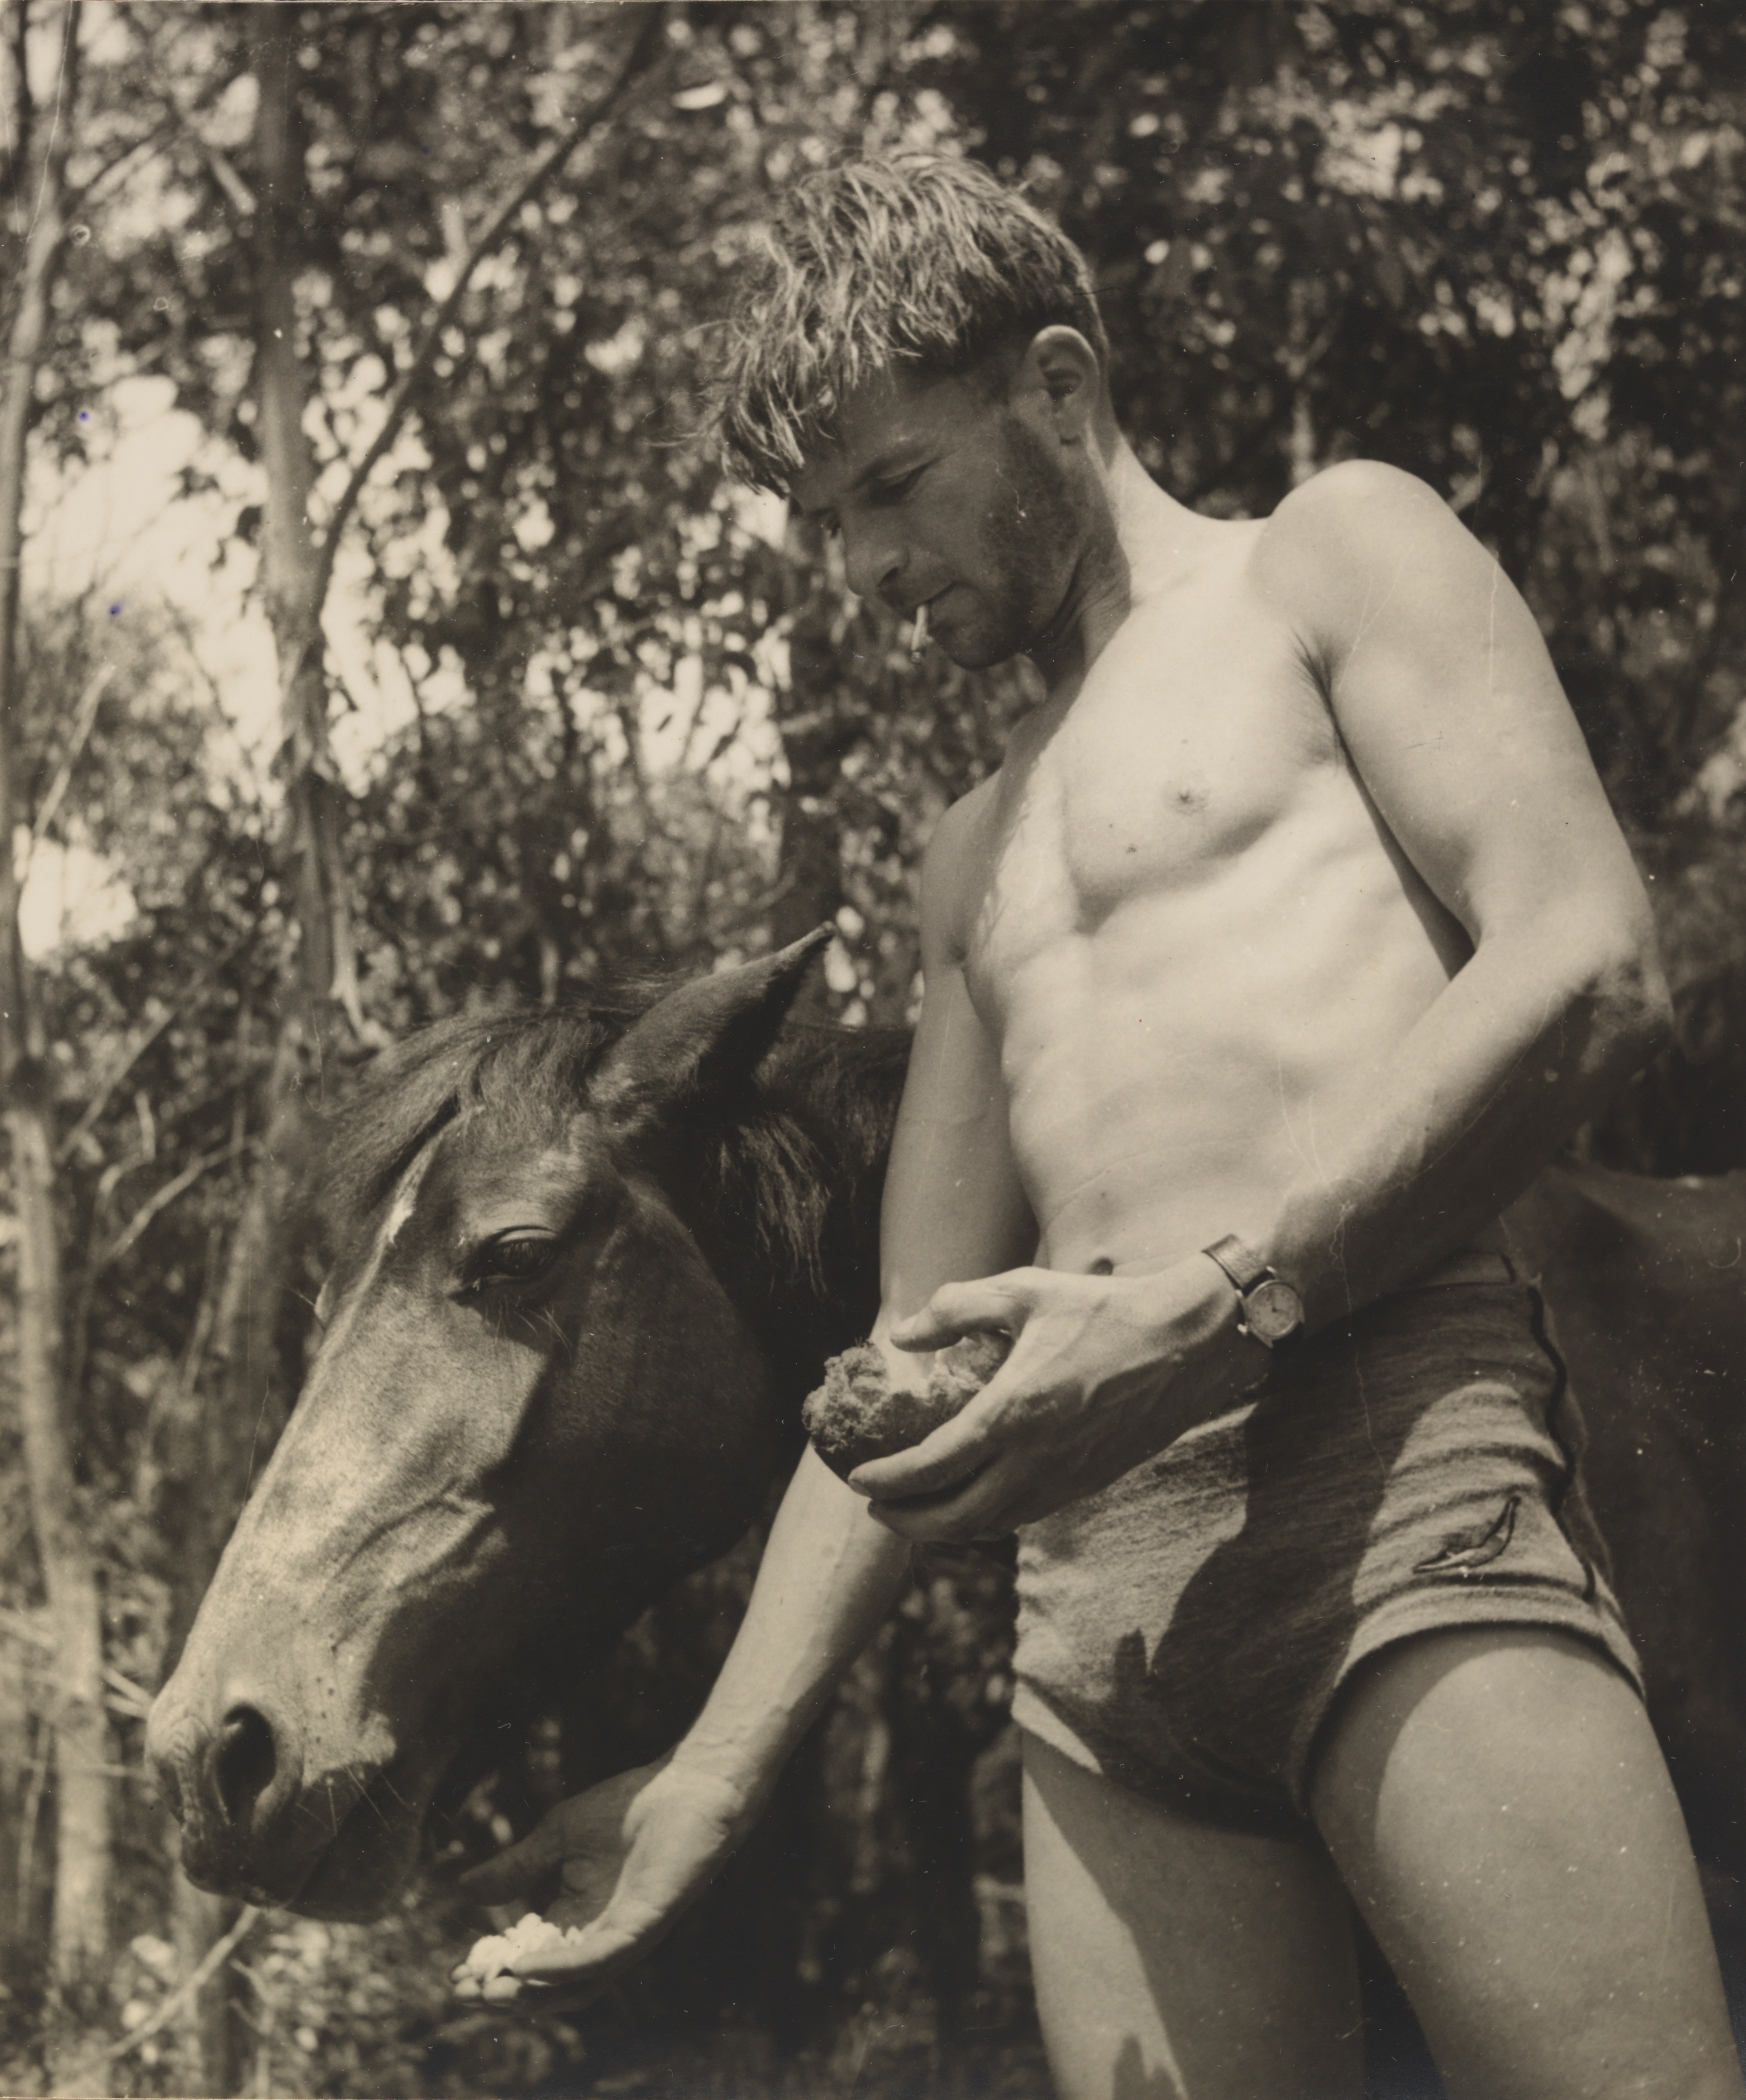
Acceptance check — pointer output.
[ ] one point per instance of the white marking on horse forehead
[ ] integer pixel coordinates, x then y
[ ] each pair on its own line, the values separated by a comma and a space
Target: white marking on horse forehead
341, 1315
405, 1198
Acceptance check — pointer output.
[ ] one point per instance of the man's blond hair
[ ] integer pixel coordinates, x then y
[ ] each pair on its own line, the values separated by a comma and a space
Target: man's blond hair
915, 259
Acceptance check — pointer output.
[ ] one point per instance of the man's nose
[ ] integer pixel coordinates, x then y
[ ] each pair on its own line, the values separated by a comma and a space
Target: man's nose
870, 560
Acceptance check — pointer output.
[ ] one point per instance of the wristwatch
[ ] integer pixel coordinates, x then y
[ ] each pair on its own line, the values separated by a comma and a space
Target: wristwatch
1272, 1311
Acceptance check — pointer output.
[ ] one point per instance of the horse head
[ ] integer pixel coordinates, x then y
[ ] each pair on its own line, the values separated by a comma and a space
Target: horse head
547, 1385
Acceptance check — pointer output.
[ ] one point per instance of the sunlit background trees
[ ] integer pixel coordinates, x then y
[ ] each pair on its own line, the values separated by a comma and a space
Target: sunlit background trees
376, 641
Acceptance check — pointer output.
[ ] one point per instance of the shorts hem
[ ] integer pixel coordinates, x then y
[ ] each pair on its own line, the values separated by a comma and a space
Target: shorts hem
1207, 1802
1211, 1802
1452, 1610
1033, 1714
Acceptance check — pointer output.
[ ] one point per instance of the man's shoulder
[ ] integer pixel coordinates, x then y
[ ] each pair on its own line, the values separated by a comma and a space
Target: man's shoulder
1343, 542
949, 867
1345, 509
963, 817
958, 835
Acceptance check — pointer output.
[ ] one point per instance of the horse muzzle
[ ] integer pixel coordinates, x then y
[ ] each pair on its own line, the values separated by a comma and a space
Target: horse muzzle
263, 1819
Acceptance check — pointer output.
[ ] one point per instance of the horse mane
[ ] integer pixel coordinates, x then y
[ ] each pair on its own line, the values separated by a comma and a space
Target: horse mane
801, 1144
805, 1141
531, 1061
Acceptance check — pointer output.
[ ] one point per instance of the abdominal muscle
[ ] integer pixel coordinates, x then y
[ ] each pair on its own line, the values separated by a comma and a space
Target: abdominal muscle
1209, 1042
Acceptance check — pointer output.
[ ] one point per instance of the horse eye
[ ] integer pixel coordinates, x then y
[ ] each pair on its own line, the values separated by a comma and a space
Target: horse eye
513, 1259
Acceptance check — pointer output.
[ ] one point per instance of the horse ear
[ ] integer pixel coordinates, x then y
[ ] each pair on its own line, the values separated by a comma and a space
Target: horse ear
696, 1041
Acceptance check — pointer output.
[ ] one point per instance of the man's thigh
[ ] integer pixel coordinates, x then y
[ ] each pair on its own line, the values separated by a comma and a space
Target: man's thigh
1176, 1961
1496, 1803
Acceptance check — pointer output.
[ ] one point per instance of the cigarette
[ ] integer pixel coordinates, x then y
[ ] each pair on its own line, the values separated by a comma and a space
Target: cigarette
919, 632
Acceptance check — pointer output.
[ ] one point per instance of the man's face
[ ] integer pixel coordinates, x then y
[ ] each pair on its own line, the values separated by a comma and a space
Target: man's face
945, 496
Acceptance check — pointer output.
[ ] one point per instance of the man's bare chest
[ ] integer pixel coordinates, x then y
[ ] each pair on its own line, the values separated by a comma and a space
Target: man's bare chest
1189, 745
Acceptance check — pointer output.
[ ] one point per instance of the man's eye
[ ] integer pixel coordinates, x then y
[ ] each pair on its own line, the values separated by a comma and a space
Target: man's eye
893, 491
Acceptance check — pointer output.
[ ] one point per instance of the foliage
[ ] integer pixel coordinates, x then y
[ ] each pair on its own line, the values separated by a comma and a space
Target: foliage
1495, 246
645, 726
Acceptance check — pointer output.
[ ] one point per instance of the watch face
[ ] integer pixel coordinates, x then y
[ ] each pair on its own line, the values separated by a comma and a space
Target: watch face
1273, 1310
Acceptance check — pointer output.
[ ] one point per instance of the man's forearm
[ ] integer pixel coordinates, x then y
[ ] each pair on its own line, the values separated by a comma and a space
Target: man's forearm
829, 1576
1496, 1076
953, 1206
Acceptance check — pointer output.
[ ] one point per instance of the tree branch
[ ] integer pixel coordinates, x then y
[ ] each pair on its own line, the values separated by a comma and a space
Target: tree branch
131, 1056
86, 193
175, 118
161, 1200
132, 1701
191, 1986
83, 720
237, 193
18, 173
641, 52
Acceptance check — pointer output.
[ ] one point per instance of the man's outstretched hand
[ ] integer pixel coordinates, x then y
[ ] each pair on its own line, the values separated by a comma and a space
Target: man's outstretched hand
636, 1851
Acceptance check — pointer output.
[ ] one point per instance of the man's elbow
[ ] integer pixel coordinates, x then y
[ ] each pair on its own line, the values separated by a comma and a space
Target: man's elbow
1627, 994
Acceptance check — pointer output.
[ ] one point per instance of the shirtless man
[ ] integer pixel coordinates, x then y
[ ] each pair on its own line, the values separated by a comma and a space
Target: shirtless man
1296, 928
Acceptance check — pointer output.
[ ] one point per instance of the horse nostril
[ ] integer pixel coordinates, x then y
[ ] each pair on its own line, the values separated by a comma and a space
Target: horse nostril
244, 1763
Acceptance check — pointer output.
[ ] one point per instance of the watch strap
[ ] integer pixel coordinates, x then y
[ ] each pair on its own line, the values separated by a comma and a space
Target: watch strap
1242, 1263
1268, 1308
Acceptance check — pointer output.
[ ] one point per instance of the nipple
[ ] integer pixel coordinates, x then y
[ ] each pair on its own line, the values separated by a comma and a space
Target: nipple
1103, 1266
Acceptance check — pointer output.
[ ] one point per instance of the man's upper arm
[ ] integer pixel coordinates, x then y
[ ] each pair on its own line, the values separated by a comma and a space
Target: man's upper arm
954, 1206
1447, 701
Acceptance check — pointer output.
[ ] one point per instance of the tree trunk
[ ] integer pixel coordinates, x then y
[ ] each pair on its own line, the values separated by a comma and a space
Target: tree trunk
80, 1929
210, 2037
229, 1413
20, 1933
234, 1404
815, 731
290, 564
231, 1406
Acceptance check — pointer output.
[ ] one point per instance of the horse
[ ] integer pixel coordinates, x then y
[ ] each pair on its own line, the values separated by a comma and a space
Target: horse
584, 1274
587, 1266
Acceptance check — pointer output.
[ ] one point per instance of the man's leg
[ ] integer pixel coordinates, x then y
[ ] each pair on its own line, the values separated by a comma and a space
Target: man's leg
1496, 1803
1174, 1961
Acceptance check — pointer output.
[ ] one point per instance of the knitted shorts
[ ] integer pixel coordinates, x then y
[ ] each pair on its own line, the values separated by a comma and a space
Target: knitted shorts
1186, 1631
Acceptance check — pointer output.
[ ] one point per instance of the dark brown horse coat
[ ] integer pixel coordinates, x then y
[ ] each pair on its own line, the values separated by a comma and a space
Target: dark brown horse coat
1647, 1282
585, 1273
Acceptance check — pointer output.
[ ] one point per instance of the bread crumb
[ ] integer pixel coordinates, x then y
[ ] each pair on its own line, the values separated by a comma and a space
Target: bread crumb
857, 1415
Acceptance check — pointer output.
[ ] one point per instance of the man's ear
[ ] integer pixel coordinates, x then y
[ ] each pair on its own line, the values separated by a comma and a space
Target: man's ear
1059, 379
